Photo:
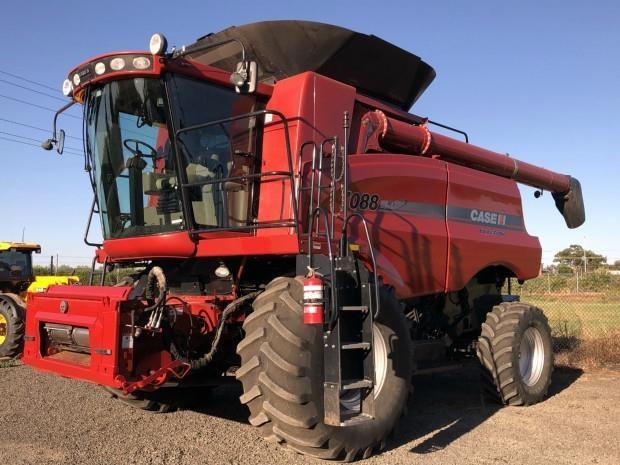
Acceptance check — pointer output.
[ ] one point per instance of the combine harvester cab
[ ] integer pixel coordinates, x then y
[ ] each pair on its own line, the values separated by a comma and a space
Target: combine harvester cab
290, 225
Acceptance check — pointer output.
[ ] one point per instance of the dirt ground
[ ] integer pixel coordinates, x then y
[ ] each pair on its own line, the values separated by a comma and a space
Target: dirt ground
49, 420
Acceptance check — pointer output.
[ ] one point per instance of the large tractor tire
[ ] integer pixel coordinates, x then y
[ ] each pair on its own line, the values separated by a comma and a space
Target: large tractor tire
282, 376
12, 326
516, 354
156, 402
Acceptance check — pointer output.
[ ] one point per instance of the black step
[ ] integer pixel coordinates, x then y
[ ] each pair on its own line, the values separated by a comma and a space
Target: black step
349, 385
360, 308
355, 346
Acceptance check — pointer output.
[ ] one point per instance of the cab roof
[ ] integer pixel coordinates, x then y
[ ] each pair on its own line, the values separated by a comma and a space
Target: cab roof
25, 246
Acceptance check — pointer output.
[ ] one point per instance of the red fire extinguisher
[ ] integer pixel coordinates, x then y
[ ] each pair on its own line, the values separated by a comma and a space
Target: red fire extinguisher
314, 305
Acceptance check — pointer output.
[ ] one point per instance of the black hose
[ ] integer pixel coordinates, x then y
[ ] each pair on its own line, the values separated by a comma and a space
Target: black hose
207, 358
156, 280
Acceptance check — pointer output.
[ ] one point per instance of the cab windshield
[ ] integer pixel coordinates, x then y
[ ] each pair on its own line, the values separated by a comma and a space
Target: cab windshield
133, 170
15, 265
133, 158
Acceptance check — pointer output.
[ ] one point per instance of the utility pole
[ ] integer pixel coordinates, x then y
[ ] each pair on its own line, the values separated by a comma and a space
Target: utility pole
23, 233
51, 265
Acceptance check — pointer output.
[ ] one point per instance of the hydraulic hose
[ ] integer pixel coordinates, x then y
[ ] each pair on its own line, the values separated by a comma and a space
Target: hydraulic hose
207, 358
156, 281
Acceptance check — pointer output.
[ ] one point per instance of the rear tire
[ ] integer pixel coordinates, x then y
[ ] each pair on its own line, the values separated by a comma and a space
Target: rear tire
12, 327
516, 354
282, 376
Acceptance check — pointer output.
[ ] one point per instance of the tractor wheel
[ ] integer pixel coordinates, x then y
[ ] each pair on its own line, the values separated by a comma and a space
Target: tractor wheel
516, 354
12, 327
156, 401
282, 375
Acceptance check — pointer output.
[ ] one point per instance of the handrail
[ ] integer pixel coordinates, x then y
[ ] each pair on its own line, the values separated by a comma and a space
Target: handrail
316, 213
245, 177
312, 171
290, 173
344, 245
89, 222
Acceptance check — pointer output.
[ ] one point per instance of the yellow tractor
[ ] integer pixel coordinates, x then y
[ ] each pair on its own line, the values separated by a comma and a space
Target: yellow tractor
16, 281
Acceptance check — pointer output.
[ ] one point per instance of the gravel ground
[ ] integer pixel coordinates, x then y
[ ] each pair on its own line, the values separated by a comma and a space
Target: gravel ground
50, 420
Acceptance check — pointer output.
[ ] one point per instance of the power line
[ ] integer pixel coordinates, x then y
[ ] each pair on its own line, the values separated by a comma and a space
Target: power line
35, 127
37, 106
33, 145
35, 140
29, 80
32, 90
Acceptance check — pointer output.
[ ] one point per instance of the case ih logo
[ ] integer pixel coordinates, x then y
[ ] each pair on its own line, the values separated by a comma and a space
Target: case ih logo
481, 216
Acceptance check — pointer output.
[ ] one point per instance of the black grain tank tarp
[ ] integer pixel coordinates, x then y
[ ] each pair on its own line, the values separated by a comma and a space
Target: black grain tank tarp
284, 48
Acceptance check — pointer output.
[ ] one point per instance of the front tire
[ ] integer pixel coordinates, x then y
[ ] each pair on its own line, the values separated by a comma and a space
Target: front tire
282, 376
12, 327
516, 353
156, 401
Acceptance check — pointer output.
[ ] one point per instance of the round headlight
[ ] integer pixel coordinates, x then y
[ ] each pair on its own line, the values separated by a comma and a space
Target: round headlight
100, 68
67, 87
222, 271
117, 64
141, 62
76, 79
158, 44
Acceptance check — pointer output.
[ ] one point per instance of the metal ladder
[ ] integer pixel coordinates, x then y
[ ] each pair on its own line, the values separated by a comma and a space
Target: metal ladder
348, 349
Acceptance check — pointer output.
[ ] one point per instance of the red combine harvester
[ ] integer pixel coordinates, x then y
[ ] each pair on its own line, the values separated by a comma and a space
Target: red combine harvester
290, 224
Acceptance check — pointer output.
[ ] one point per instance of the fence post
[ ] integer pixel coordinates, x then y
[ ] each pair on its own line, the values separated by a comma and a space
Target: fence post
577, 273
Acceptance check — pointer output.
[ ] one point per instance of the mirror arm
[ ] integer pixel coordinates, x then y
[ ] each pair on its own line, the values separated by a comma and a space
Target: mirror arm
49, 143
66, 107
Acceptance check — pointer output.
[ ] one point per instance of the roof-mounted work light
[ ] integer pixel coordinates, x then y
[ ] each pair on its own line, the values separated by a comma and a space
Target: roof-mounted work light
158, 44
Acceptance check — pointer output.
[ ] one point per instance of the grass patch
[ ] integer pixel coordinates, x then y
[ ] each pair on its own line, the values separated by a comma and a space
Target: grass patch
585, 316
8, 363
598, 352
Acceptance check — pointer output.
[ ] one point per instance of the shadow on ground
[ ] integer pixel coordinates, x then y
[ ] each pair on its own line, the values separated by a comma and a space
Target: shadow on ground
447, 406
444, 407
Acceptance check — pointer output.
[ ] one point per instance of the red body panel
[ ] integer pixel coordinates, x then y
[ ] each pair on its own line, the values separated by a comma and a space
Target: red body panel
93, 307
408, 229
477, 242
423, 232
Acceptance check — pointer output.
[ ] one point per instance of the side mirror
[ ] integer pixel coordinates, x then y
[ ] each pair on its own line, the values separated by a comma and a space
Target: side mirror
60, 143
245, 77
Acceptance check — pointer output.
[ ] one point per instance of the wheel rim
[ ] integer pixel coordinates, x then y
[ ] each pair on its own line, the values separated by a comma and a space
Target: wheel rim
3, 329
352, 400
531, 356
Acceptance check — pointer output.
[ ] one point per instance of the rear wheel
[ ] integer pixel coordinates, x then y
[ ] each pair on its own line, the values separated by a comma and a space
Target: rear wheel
515, 350
12, 327
282, 376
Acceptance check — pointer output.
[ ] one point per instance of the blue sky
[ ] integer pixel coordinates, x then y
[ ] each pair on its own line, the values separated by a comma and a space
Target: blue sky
539, 80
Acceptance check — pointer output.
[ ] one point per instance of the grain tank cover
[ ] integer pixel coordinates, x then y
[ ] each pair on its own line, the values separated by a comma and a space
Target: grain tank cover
285, 48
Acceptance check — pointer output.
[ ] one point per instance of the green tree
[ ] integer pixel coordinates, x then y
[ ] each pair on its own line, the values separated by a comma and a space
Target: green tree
575, 256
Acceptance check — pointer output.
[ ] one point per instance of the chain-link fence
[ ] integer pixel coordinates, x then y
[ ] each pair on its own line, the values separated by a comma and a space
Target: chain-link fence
583, 308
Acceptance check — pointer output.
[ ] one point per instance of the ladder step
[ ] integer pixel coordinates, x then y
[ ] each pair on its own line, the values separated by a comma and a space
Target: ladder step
355, 308
349, 385
355, 346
